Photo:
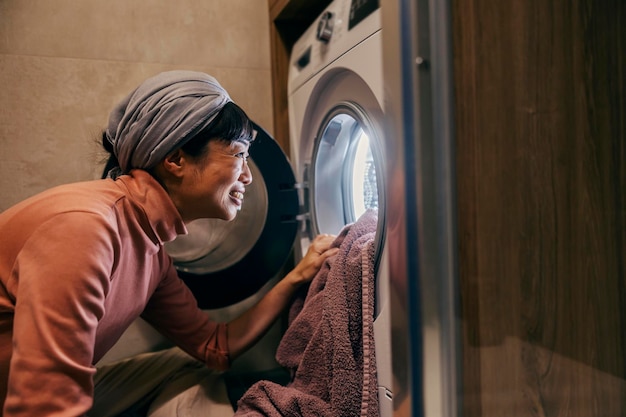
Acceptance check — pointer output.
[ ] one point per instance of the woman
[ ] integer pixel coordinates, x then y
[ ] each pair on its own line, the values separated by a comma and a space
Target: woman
80, 262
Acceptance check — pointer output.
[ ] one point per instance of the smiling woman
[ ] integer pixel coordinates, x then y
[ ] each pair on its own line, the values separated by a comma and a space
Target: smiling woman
111, 267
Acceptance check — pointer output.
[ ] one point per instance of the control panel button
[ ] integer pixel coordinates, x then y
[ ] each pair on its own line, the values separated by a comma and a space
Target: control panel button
325, 27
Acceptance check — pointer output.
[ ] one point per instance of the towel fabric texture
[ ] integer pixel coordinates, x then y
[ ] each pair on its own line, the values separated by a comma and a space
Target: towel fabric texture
160, 115
329, 345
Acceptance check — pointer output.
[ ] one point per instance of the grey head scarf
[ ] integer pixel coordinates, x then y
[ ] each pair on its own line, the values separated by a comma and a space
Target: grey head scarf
161, 115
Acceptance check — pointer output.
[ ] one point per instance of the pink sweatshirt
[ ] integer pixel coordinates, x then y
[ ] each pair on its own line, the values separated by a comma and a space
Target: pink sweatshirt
78, 264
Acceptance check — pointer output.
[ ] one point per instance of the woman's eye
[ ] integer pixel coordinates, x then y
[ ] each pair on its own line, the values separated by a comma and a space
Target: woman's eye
242, 155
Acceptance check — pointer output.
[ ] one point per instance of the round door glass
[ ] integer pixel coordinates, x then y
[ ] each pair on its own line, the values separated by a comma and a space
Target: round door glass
364, 189
346, 169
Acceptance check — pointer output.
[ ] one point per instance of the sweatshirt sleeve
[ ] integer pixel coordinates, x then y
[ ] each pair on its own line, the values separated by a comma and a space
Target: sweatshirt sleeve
173, 310
63, 271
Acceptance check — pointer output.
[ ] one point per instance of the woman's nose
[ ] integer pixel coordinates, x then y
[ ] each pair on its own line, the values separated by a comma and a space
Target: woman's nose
246, 174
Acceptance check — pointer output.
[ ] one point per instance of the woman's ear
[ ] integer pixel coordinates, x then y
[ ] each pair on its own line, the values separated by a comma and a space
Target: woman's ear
174, 163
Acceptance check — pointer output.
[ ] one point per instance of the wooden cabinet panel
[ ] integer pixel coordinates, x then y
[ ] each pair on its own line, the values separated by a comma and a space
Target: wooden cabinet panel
541, 145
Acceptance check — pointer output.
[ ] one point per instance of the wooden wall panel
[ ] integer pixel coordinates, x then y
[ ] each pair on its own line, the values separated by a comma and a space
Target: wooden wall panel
541, 145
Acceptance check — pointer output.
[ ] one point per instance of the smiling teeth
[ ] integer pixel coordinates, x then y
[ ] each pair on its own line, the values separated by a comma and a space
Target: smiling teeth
238, 195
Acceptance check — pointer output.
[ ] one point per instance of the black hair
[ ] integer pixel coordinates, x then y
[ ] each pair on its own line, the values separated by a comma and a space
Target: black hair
112, 161
231, 124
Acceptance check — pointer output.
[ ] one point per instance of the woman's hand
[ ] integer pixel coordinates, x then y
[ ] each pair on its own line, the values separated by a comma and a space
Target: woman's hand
318, 252
246, 329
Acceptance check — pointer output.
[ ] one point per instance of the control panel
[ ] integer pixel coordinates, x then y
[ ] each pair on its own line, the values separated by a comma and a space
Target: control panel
333, 33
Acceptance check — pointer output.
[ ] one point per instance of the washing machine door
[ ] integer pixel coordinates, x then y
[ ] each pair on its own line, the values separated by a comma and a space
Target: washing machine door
226, 262
342, 149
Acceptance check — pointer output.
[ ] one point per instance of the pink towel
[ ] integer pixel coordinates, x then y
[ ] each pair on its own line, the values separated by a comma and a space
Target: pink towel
329, 344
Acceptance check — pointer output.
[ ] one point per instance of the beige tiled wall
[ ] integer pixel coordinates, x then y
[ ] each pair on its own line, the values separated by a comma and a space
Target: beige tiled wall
65, 63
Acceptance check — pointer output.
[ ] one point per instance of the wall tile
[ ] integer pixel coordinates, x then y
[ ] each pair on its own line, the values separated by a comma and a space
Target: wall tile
64, 65
224, 33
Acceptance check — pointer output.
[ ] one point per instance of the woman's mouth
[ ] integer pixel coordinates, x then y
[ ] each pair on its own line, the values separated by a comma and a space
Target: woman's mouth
237, 197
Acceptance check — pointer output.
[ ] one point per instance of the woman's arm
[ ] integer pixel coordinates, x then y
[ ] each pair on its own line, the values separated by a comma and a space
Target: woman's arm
246, 329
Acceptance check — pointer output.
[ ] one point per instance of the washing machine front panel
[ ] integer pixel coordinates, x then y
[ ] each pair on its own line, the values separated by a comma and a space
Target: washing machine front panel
345, 71
356, 76
347, 92
338, 148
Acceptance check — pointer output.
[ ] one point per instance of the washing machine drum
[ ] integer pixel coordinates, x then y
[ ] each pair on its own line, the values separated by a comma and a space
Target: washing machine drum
226, 262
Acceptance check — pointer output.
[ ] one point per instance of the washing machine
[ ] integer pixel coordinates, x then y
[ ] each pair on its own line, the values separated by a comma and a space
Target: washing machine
337, 145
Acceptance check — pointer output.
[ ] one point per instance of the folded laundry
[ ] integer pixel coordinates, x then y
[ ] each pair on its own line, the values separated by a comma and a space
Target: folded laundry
328, 346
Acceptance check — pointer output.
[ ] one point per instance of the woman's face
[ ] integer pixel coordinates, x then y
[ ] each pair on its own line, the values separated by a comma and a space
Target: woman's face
214, 185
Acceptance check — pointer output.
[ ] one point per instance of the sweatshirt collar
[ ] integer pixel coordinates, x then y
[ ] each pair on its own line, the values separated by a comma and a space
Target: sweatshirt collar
162, 215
